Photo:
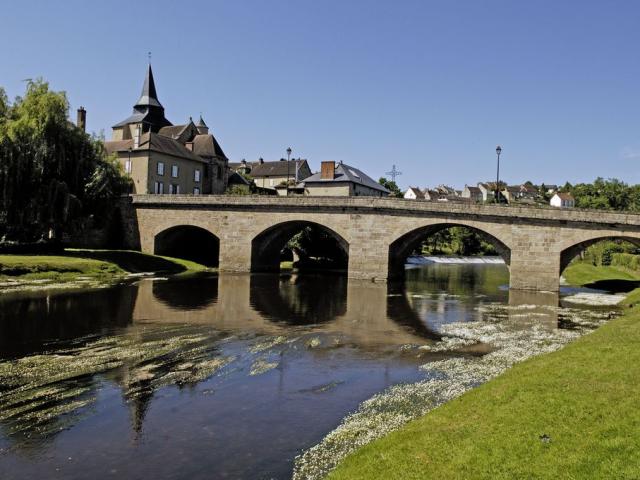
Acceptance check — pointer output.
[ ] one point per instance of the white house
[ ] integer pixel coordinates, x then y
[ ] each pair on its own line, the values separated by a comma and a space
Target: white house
487, 192
473, 193
563, 200
414, 193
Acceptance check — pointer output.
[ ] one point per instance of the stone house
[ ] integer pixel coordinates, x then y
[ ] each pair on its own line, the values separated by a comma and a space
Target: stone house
270, 175
562, 200
163, 158
339, 179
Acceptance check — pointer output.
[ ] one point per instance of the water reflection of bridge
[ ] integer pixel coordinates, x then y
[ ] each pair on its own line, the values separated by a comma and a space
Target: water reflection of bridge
371, 317
369, 313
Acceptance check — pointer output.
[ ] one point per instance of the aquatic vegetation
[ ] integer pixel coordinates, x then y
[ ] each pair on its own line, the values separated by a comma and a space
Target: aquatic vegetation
512, 341
594, 299
261, 366
267, 343
38, 390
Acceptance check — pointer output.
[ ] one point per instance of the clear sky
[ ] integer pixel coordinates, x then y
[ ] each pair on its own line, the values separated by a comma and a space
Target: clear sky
431, 86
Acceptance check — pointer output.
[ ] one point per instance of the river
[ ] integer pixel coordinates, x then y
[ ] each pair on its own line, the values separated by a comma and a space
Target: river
234, 376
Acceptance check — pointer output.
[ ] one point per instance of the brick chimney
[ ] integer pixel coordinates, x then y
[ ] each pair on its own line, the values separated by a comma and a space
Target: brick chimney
327, 170
82, 119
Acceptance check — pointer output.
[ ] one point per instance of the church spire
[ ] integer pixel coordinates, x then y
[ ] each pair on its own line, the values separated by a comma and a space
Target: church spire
148, 97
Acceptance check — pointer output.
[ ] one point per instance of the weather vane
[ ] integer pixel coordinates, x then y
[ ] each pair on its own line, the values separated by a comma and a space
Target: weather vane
394, 173
149, 56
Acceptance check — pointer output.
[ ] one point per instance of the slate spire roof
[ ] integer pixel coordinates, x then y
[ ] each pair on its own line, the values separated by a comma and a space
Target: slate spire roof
148, 97
147, 110
201, 122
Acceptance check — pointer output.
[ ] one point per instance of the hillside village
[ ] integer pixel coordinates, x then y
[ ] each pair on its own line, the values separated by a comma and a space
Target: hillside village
163, 158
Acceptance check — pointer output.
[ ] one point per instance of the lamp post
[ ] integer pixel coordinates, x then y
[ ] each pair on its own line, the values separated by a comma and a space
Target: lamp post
498, 152
288, 163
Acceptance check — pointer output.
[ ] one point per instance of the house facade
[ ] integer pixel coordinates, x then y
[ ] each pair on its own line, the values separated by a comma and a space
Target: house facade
414, 193
562, 200
163, 158
474, 194
270, 175
341, 180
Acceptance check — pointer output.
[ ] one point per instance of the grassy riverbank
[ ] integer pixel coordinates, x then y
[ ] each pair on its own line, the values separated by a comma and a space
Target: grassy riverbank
84, 266
569, 414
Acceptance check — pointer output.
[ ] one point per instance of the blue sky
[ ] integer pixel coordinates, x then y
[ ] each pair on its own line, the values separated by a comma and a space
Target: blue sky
431, 86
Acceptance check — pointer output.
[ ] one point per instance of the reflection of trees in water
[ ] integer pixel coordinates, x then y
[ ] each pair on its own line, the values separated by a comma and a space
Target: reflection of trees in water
43, 394
403, 313
27, 324
456, 279
299, 300
187, 293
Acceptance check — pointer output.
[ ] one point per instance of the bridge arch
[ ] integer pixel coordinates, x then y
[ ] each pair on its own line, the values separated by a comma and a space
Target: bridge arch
572, 251
267, 245
405, 244
188, 242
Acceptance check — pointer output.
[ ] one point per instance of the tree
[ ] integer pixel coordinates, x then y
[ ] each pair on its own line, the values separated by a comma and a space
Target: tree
391, 186
314, 245
52, 174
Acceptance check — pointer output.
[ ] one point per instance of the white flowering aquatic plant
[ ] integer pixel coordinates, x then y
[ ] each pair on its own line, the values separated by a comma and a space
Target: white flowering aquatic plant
512, 339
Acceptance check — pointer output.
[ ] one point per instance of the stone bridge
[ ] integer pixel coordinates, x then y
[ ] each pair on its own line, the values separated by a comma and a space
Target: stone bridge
247, 233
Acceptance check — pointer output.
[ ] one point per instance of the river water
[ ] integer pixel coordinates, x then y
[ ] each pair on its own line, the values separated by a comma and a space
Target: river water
234, 376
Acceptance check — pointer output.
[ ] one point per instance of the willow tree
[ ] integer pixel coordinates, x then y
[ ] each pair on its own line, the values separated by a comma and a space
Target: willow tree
53, 176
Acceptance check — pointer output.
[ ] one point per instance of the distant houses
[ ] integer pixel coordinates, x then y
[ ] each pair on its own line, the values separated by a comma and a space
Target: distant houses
562, 200
340, 179
485, 192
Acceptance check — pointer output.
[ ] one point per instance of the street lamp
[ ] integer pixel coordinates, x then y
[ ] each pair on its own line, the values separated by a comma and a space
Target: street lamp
288, 163
498, 152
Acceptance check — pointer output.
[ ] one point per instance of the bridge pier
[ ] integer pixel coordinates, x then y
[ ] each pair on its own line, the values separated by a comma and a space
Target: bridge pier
534, 268
235, 252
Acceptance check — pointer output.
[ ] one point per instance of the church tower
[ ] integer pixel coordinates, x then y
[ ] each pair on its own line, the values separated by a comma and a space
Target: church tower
148, 114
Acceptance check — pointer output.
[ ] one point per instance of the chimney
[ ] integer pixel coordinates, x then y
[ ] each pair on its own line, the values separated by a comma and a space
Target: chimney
327, 170
136, 137
82, 119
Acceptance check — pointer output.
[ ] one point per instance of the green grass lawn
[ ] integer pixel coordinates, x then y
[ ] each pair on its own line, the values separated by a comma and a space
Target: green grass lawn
582, 273
585, 398
101, 265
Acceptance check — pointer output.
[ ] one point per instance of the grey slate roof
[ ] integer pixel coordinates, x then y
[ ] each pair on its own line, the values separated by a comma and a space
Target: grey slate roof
207, 146
274, 169
201, 122
345, 173
147, 110
154, 142
173, 131
148, 97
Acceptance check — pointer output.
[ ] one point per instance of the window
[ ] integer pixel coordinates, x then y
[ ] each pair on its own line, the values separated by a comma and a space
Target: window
196, 190
174, 171
159, 188
127, 165
174, 189
196, 175
160, 169
219, 171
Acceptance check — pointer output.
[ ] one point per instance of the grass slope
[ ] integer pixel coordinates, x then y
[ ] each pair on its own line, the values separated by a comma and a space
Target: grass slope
103, 265
583, 397
580, 273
